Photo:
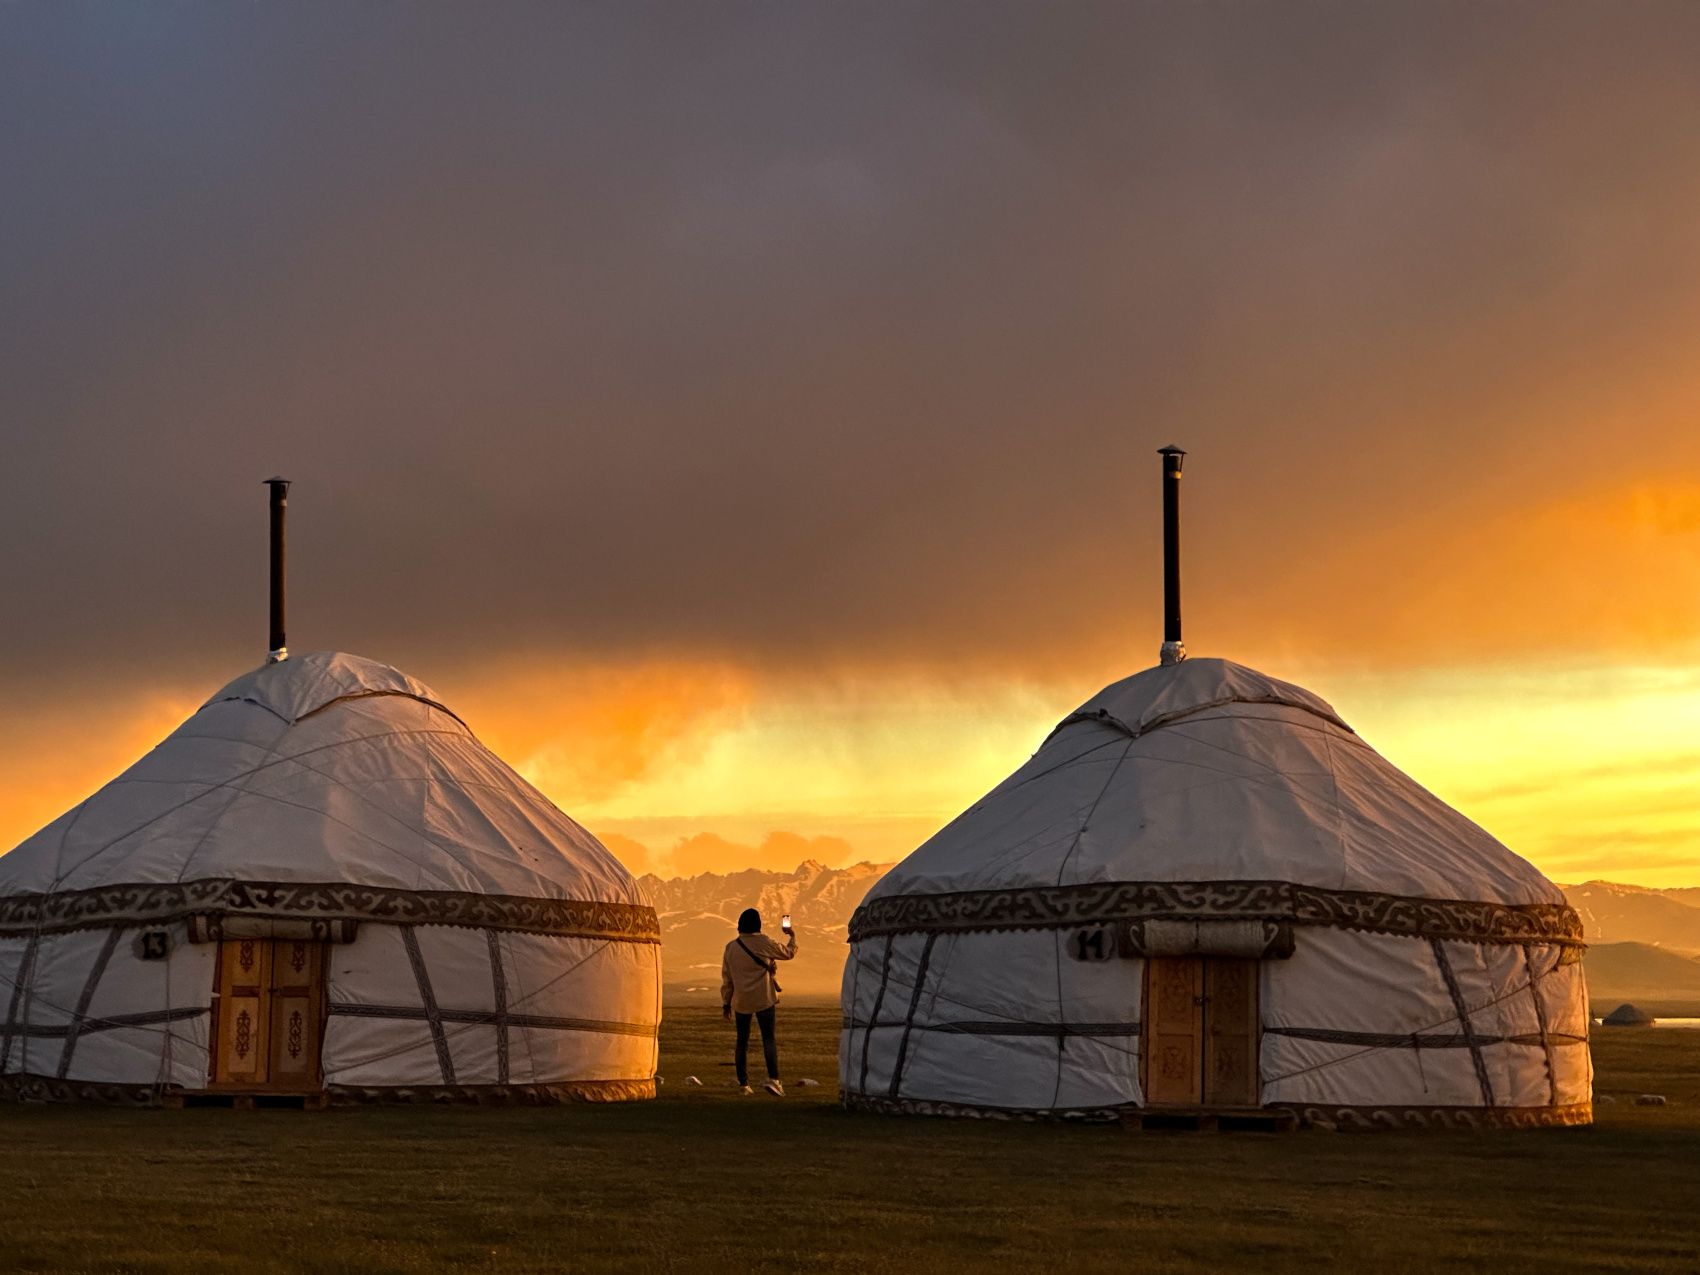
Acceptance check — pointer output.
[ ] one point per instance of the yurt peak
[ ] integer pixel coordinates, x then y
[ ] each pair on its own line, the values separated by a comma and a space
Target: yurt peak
1173, 650
302, 686
1169, 692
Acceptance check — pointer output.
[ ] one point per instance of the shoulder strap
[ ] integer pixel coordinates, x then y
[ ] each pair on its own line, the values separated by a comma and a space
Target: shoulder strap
766, 965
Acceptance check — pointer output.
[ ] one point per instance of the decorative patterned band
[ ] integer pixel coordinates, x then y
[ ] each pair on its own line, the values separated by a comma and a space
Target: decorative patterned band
143, 903
881, 1105
1373, 1117
550, 1095
1331, 1117
24, 1087
1066, 906
27, 1087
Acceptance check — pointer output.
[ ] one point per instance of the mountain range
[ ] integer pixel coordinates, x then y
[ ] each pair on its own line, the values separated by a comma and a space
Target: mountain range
1644, 943
699, 916
1615, 913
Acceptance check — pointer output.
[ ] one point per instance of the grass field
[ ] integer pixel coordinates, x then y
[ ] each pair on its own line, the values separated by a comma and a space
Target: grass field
704, 1180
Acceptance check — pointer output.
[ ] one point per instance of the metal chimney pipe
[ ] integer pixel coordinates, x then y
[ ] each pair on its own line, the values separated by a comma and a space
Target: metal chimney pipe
1173, 650
279, 650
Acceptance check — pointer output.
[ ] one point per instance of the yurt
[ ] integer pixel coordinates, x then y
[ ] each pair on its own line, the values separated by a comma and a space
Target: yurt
323, 888
1205, 899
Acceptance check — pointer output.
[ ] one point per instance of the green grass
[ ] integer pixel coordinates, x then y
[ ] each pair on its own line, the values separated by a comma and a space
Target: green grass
704, 1179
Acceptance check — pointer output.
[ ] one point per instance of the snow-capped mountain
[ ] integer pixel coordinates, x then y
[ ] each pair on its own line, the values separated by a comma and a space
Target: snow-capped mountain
699, 916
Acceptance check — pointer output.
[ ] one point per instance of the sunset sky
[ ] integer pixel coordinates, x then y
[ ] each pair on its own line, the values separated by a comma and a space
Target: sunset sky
744, 416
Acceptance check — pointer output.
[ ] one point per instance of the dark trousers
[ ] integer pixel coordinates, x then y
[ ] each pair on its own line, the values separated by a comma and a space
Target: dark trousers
769, 1045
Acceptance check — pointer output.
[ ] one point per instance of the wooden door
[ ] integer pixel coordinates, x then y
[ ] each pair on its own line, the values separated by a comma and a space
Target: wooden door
1231, 1025
1201, 1032
241, 1057
1174, 1005
296, 990
270, 1015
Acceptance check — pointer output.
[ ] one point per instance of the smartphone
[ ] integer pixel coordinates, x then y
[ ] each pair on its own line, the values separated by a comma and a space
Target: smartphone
785, 921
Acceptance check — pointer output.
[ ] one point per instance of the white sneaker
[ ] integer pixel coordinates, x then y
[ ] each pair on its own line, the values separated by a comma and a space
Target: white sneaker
775, 1088
745, 1089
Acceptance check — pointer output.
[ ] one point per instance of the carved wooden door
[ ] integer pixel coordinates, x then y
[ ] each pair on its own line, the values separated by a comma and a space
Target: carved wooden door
1174, 1006
295, 1013
240, 1056
1201, 1032
270, 1015
1231, 1025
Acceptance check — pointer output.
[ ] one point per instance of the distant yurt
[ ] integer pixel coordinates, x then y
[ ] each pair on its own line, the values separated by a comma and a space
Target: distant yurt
322, 887
1206, 897
1627, 1015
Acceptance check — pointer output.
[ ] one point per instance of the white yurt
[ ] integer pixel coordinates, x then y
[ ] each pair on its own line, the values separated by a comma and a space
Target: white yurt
322, 887
1206, 897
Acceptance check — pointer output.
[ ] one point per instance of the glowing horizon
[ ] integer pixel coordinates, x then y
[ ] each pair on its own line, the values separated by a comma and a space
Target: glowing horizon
1588, 772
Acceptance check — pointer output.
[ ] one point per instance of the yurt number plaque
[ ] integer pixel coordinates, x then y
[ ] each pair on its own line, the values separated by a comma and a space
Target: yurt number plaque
1095, 944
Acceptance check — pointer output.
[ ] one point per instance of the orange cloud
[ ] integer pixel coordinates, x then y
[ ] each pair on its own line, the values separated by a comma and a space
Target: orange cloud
53, 754
1612, 569
584, 733
634, 854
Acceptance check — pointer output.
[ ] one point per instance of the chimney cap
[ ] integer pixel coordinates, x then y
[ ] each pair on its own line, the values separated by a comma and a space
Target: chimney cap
1171, 450
276, 482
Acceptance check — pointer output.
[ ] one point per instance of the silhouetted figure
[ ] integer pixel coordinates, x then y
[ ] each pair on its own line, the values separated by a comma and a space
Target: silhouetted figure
748, 989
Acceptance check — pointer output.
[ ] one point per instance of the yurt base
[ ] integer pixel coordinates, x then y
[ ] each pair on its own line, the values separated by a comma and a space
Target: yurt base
1276, 1118
47, 1089
316, 1101
1209, 1119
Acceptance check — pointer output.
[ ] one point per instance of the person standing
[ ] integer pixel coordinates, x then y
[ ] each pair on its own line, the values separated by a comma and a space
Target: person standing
749, 989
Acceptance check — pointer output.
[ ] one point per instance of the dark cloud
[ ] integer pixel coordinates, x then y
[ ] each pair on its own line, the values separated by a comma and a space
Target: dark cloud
812, 332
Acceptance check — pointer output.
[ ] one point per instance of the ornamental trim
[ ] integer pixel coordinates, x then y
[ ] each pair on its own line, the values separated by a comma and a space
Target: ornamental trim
1067, 906
127, 904
1330, 1116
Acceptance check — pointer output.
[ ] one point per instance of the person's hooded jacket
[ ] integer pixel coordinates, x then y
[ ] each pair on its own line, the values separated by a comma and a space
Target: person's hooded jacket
747, 970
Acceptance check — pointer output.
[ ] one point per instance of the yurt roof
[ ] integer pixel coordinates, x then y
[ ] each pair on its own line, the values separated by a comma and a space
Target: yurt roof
1145, 702
1200, 772
330, 769
295, 688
